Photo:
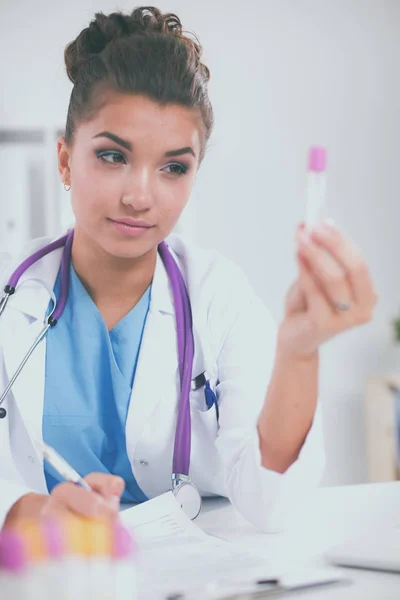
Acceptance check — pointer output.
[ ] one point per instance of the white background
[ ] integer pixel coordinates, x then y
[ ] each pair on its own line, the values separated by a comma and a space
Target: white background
285, 75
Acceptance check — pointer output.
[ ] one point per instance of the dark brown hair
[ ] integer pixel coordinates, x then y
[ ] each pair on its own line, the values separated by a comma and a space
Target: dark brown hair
145, 53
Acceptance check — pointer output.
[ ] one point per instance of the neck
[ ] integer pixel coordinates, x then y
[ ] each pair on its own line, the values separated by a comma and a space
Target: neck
118, 280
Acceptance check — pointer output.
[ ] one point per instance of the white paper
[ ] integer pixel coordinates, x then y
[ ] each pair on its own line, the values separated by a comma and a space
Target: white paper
176, 556
160, 522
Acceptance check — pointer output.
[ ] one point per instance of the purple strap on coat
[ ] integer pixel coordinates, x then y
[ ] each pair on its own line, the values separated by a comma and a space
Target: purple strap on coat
64, 288
183, 313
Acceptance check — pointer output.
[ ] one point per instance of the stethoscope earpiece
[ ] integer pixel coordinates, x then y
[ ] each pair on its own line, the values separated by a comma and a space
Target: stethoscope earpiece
3, 413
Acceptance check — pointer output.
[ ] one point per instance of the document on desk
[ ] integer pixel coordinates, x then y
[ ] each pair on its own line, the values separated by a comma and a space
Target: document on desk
160, 522
177, 557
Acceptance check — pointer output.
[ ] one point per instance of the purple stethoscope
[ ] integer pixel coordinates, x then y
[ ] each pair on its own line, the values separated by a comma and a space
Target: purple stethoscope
183, 488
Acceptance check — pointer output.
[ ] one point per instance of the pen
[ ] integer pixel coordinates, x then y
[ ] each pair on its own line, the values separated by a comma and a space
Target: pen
61, 466
278, 590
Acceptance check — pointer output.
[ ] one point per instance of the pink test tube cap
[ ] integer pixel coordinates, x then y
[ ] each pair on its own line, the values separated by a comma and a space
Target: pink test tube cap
53, 538
123, 544
13, 555
317, 159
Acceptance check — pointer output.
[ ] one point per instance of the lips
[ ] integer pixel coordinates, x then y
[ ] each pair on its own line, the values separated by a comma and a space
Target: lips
132, 222
131, 228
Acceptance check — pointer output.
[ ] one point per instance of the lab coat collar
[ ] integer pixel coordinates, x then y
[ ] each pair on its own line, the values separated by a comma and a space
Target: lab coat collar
161, 292
34, 290
35, 287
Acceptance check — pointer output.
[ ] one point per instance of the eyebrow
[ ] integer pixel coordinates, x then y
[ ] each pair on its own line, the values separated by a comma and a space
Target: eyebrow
180, 151
128, 145
114, 138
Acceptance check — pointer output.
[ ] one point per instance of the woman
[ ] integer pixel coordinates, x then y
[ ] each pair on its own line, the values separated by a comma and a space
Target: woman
103, 387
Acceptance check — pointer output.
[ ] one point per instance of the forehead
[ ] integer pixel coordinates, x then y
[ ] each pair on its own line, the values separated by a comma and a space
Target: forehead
140, 119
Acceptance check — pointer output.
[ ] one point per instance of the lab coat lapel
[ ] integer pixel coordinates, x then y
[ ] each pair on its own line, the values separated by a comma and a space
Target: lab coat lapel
157, 376
24, 319
28, 389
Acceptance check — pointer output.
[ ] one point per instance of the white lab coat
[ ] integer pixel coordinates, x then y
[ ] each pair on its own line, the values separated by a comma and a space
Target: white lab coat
234, 341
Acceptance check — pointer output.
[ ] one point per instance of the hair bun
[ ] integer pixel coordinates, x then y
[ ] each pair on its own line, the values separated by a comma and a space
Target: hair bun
107, 28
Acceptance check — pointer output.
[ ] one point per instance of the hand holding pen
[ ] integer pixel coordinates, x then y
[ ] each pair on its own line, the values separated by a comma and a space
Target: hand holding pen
96, 496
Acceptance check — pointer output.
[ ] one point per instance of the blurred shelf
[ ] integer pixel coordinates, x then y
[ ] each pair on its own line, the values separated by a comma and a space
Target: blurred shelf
382, 403
33, 202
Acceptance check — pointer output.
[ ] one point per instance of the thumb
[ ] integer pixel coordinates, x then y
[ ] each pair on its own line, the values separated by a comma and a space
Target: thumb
313, 295
295, 299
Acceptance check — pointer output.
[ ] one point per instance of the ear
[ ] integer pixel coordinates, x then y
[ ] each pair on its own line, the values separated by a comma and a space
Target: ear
63, 153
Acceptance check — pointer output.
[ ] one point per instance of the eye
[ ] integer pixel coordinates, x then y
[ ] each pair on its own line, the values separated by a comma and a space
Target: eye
177, 169
112, 157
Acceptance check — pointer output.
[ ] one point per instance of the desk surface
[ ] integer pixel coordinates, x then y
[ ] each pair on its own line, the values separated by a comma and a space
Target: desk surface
331, 516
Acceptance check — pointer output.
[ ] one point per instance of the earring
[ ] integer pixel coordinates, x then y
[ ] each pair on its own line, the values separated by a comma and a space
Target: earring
67, 187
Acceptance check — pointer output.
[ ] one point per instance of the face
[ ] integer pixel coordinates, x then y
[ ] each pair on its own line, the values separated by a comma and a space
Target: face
131, 169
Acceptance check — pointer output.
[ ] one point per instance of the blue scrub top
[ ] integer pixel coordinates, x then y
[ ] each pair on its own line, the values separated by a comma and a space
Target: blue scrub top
88, 385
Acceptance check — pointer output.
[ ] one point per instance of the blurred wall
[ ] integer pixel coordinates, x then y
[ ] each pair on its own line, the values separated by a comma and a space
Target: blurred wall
285, 74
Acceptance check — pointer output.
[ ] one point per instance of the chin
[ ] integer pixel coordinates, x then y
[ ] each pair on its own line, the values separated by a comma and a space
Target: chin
129, 249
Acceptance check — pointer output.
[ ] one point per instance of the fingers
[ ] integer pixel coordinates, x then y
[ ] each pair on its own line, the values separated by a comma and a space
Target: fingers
350, 259
315, 299
71, 497
54, 508
340, 271
321, 314
331, 277
106, 485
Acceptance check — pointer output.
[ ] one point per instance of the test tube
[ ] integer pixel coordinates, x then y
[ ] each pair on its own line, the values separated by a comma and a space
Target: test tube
316, 186
76, 580
98, 547
39, 568
124, 564
14, 574
54, 543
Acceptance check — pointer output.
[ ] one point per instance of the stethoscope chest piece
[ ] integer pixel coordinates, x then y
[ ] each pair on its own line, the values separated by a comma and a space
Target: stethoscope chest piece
187, 495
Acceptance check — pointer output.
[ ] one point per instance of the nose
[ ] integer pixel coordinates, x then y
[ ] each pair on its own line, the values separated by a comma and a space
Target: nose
138, 191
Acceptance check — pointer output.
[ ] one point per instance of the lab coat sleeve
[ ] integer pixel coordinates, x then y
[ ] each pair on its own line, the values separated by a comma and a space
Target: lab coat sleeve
245, 363
10, 493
